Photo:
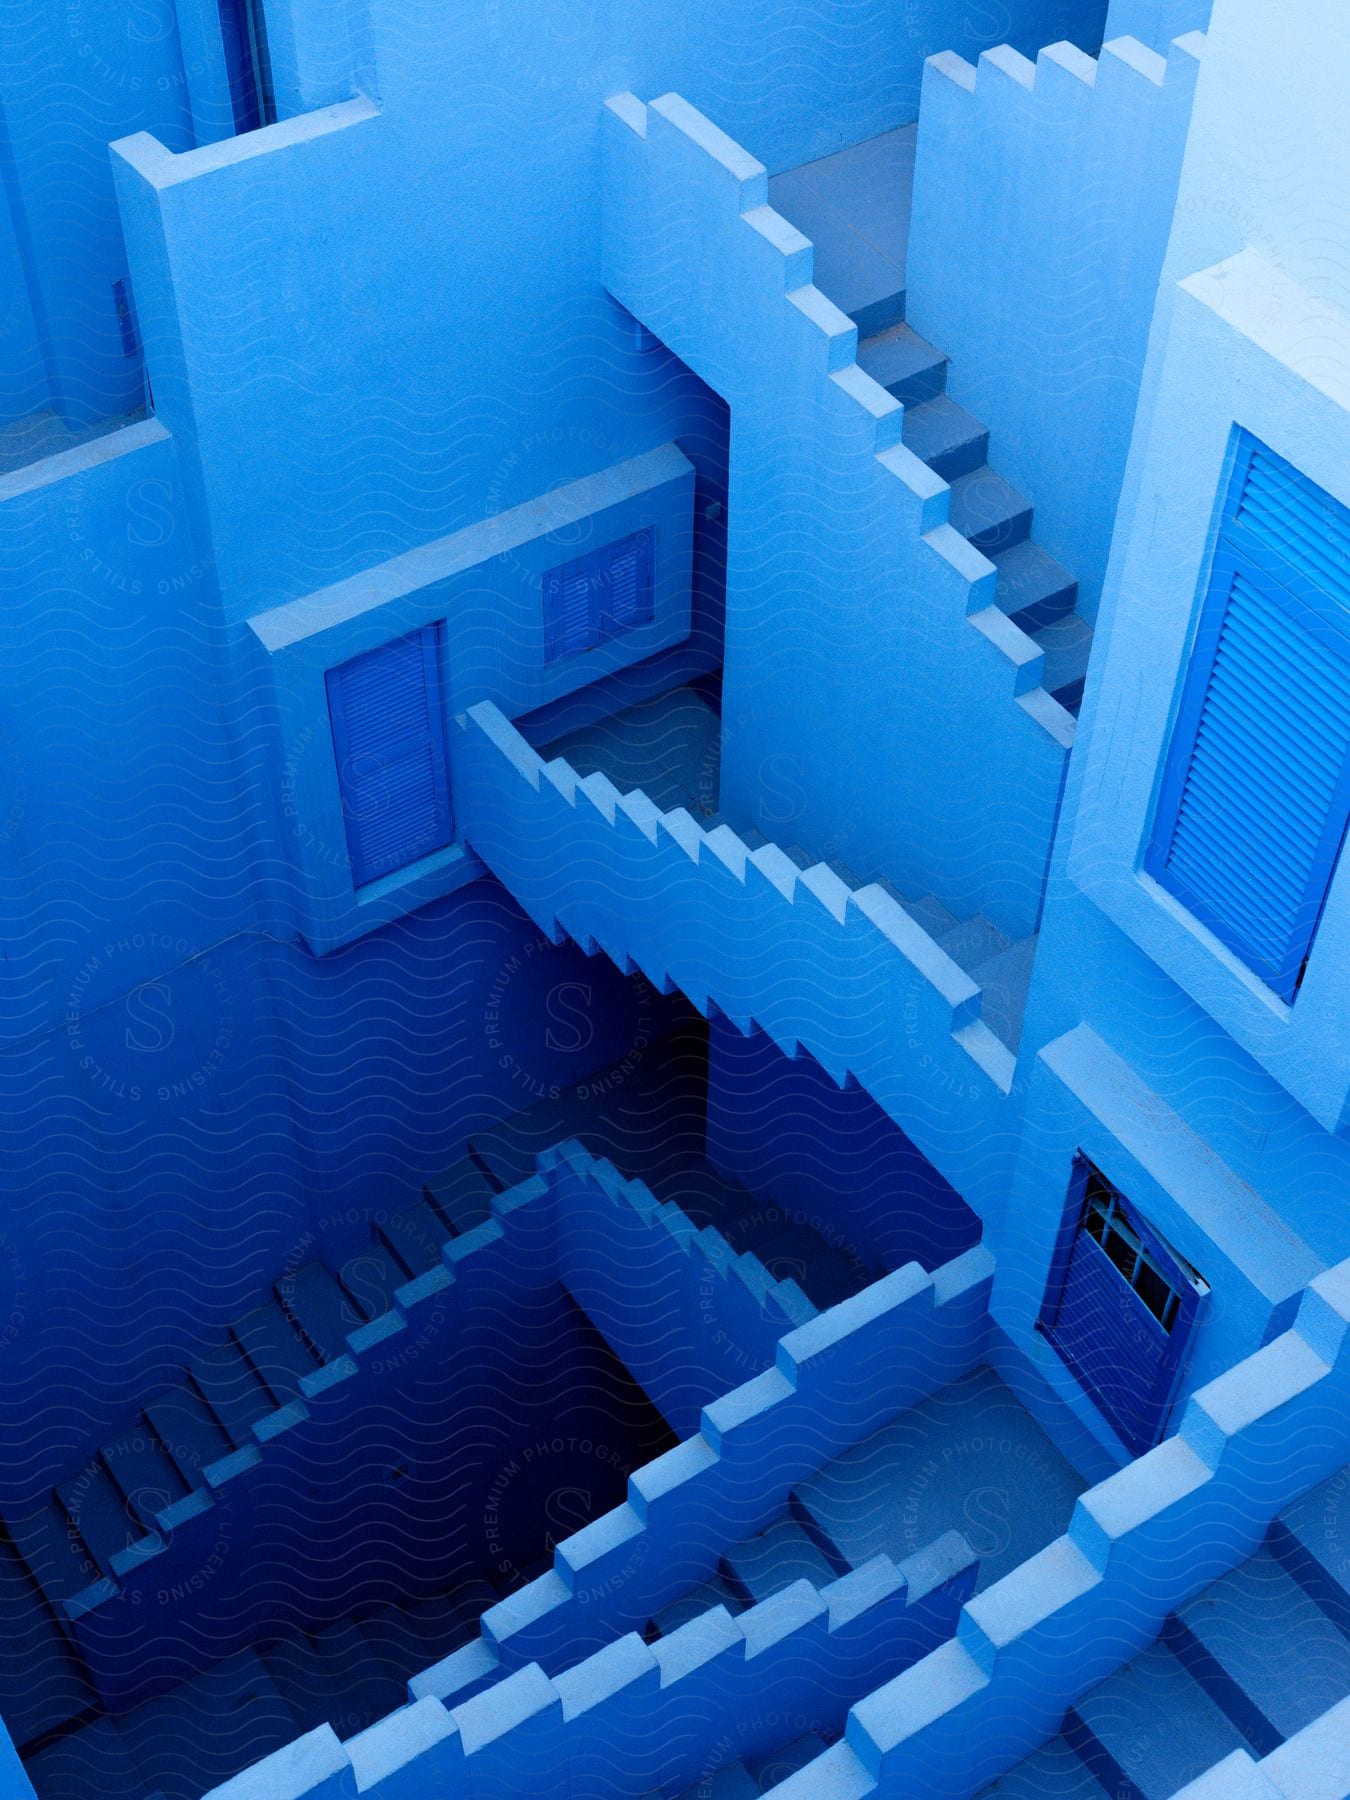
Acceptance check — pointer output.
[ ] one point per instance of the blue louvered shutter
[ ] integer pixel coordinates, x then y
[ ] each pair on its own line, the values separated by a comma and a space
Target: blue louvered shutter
626, 590
389, 739
1256, 793
598, 595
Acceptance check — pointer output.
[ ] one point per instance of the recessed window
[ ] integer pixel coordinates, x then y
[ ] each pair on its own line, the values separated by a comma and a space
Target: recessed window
598, 596
1255, 795
1120, 1307
388, 721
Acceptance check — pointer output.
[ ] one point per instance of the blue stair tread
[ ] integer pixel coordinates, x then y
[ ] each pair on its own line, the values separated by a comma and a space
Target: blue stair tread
189, 1431
692, 1605
824, 1272
1004, 981
988, 510
277, 1351
97, 1510
303, 1682
734, 1782
367, 1688
1067, 645
905, 364
1265, 1633
1033, 589
945, 436
144, 1473
862, 280
90, 1764
370, 1278
1312, 1541
775, 1768
973, 941
41, 1682
416, 1236
462, 1195
313, 1298
226, 1381
669, 747
969, 1457
1153, 1723
57, 1560
773, 1560
198, 1735
411, 1636
854, 206
934, 917
1055, 1772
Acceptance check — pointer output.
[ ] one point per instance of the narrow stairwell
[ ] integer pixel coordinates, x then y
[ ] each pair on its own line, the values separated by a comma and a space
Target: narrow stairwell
854, 207
1259, 1657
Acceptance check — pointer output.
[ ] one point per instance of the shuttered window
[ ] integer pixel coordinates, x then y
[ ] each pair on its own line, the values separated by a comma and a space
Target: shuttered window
1120, 1308
1256, 792
389, 739
598, 596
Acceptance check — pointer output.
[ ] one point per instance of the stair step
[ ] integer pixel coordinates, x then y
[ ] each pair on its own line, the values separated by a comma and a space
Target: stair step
1150, 1724
313, 1299
41, 1681
144, 1473
825, 1273
716, 1592
973, 941
1055, 1772
189, 1431
731, 1782
929, 912
90, 1764
197, 1736
416, 1236
906, 365
412, 1636
302, 1681
945, 436
1263, 1651
462, 1195
772, 1770
1309, 1540
278, 1352
226, 1381
1067, 644
773, 1560
57, 1559
1033, 589
97, 1511
802, 857
988, 510
1004, 982
367, 1688
370, 1278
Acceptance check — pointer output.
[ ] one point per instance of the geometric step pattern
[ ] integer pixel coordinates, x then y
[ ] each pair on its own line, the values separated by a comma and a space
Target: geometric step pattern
91, 1519
1033, 590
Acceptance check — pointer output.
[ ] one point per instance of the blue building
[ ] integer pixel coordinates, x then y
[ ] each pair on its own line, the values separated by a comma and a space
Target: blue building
676, 734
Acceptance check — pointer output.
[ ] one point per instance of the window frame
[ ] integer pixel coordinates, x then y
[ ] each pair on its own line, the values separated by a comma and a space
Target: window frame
601, 624
1242, 552
1189, 1287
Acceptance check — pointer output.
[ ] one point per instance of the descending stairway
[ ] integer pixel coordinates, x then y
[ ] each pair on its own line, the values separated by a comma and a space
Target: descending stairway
1035, 592
854, 207
87, 1531
1258, 1657
183, 1743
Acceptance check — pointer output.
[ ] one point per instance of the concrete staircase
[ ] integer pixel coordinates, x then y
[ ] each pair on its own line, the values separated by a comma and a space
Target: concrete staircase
1248, 1666
854, 206
865, 978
